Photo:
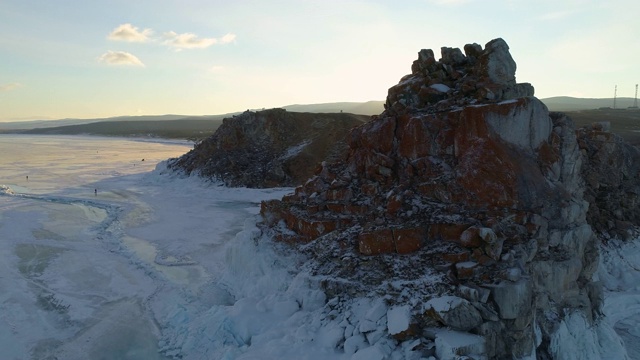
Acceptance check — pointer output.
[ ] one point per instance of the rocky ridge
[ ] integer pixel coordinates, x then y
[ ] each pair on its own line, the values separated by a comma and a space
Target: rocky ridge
472, 181
269, 148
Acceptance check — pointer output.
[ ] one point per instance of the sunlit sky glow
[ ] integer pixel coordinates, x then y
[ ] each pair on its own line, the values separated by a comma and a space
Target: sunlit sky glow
89, 59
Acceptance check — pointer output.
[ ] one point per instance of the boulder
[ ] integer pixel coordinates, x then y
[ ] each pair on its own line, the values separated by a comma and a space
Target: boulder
451, 345
398, 319
513, 298
497, 64
453, 312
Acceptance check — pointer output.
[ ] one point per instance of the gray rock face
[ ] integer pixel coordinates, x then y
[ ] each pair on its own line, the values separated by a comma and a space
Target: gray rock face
497, 64
454, 312
526, 127
452, 56
513, 298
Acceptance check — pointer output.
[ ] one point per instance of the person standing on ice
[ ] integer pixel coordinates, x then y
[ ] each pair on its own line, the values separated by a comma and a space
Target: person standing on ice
95, 192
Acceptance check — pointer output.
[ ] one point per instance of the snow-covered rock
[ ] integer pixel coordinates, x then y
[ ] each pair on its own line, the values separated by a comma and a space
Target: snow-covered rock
370, 353
451, 345
355, 343
398, 319
454, 312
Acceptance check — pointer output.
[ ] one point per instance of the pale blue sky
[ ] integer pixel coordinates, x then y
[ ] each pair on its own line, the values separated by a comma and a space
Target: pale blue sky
87, 59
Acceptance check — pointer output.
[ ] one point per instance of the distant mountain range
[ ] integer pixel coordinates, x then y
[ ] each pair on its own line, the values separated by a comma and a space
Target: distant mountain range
142, 124
557, 103
363, 108
44, 124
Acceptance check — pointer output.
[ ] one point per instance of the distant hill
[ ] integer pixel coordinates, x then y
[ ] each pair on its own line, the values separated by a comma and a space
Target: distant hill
557, 103
42, 124
566, 103
183, 128
362, 108
33, 124
199, 127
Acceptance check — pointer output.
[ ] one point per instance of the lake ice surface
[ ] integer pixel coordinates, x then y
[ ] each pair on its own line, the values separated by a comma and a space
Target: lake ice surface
155, 266
152, 266
69, 288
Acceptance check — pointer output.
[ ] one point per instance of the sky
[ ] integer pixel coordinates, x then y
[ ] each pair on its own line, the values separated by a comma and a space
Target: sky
93, 59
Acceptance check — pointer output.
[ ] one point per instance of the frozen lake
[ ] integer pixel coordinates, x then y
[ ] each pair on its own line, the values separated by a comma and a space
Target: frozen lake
88, 275
69, 290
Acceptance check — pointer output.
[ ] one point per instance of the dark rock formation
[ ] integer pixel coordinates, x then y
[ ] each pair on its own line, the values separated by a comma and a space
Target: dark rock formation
457, 80
612, 181
468, 170
269, 148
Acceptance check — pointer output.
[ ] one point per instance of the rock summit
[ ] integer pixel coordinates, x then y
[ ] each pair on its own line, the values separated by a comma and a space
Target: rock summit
465, 175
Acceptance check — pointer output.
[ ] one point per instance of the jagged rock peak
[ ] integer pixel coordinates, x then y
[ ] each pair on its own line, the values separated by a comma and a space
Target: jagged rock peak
475, 77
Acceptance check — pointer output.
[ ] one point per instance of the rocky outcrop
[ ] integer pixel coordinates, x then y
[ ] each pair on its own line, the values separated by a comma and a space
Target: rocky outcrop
458, 79
269, 148
470, 175
612, 181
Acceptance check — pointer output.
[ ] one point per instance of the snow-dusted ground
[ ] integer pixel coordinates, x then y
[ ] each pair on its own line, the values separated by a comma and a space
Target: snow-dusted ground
620, 274
155, 266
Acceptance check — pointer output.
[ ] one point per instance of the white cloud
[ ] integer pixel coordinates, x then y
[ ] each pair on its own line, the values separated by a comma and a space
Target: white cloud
192, 41
120, 58
130, 33
9, 87
187, 41
228, 38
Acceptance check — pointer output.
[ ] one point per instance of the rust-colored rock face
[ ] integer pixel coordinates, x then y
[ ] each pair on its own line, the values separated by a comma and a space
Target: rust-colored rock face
376, 242
398, 167
469, 170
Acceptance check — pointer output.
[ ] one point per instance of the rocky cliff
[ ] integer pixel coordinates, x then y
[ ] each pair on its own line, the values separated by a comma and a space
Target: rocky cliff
269, 148
612, 184
467, 178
